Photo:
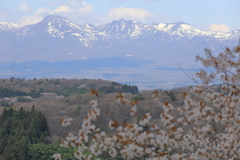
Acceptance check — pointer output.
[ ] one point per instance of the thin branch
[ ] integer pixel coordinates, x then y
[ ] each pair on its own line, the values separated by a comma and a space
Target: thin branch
188, 74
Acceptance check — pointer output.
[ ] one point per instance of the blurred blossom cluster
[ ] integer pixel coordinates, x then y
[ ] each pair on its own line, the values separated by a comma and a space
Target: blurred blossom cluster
204, 128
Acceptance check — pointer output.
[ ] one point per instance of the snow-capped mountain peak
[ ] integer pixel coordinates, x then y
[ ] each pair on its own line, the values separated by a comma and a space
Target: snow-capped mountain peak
122, 29
60, 28
8, 26
180, 29
57, 36
57, 26
189, 31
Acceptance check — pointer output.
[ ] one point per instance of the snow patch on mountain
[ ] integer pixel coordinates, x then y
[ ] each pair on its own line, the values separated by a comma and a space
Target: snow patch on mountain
122, 30
64, 28
189, 31
7, 26
136, 32
53, 31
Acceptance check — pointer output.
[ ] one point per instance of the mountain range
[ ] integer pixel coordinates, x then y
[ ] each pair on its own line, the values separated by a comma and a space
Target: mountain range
57, 39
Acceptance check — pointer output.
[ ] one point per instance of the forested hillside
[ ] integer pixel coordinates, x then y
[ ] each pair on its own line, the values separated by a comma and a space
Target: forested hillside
67, 87
18, 129
69, 98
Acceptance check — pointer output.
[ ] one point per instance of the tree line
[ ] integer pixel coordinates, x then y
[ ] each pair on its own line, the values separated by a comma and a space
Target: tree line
7, 92
119, 88
19, 129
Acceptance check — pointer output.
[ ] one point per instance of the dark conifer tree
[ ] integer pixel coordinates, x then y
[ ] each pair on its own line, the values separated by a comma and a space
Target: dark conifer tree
18, 129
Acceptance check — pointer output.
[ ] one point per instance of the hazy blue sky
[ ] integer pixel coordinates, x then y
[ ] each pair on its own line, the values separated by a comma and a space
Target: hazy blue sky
221, 15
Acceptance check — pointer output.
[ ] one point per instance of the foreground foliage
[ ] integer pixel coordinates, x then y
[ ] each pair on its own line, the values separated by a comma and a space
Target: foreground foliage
206, 127
41, 151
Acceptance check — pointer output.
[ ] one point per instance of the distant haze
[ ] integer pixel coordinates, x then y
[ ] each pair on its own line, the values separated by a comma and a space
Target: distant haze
126, 51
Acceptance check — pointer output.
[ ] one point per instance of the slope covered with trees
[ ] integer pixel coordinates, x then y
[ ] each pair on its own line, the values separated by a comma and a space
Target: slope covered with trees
18, 129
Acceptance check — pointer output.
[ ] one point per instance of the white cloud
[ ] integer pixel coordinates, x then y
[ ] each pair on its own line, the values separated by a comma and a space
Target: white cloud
81, 12
77, 11
84, 9
42, 11
24, 7
63, 8
36, 17
219, 27
129, 13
